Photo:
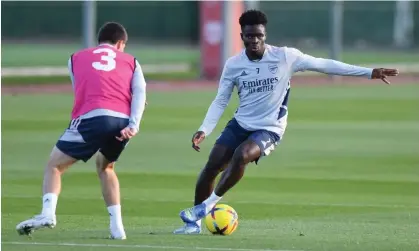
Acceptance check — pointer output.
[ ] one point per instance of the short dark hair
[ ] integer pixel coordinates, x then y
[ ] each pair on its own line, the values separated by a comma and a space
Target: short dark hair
112, 32
253, 17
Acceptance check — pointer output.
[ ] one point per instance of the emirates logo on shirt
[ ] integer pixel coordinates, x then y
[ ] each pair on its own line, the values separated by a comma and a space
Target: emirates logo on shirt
260, 85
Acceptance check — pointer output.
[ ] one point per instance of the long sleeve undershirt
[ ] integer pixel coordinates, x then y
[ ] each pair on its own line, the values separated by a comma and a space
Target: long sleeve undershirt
296, 61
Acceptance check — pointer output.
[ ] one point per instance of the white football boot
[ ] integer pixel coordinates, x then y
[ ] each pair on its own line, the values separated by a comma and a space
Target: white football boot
188, 228
27, 227
118, 235
117, 232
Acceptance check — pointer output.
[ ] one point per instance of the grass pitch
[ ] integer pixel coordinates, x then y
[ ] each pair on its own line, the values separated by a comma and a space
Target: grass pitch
345, 176
27, 54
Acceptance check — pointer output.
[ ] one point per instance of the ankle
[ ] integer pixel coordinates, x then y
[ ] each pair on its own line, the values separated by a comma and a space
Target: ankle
115, 216
211, 201
49, 204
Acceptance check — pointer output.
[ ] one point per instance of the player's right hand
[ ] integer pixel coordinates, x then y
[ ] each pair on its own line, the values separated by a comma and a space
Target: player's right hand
127, 133
197, 138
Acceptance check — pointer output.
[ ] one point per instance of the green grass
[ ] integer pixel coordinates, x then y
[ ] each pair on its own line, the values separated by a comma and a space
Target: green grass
14, 55
19, 54
42, 80
345, 176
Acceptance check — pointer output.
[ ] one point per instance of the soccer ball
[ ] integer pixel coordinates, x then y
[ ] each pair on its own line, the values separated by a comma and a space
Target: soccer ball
222, 220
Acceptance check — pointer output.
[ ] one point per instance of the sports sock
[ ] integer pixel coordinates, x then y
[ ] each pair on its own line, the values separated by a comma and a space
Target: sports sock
115, 216
211, 202
49, 204
198, 223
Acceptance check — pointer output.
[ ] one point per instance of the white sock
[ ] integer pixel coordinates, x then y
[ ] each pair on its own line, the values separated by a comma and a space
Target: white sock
211, 202
198, 223
49, 204
115, 216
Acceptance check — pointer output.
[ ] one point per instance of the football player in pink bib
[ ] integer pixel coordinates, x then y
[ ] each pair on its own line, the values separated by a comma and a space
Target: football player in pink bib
109, 101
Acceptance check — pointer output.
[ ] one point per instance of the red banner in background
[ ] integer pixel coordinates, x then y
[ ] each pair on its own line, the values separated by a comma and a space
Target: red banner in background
237, 43
211, 37
211, 34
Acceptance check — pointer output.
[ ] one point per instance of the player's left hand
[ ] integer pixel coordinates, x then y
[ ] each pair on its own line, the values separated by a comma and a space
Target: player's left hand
127, 133
382, 73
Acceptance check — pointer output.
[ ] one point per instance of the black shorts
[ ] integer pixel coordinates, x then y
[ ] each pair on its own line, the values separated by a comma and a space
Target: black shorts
233, 135
84, 137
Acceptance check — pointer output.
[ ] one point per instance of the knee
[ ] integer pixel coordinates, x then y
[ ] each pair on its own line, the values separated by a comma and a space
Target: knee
59, 161
214, 165
54, 167
242, 156
102, 167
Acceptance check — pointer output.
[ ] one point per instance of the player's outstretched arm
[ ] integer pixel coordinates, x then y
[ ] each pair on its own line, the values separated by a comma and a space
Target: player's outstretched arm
304, 62
216, 109
138, 103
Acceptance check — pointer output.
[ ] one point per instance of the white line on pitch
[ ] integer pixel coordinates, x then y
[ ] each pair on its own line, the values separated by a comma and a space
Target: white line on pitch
137, 246
259, 202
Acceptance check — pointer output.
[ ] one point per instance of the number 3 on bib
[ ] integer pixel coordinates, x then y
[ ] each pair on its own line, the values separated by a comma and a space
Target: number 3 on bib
108, 59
